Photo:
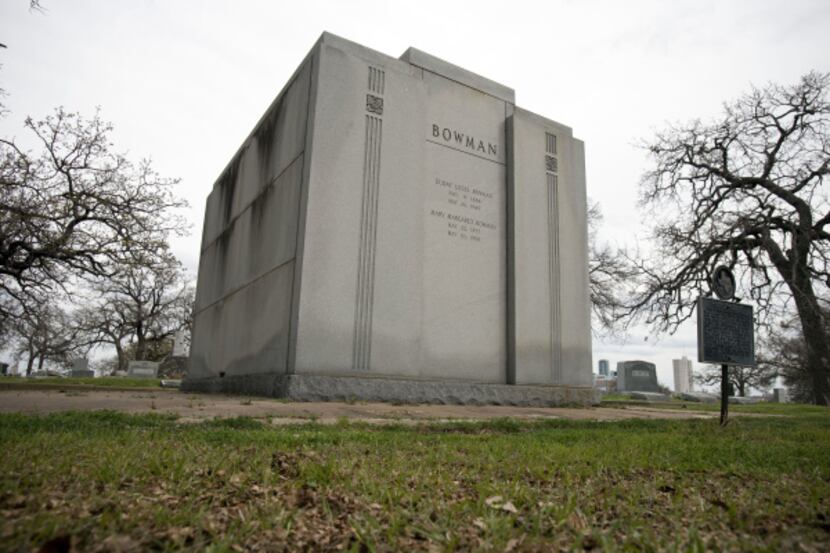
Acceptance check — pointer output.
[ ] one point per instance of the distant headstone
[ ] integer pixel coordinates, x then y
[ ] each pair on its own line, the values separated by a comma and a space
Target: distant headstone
699, 397
779, 395
725, 333
180, 345
743, 400
4, 369
143, 369
640, 376
82, 373
80, 368
649, 396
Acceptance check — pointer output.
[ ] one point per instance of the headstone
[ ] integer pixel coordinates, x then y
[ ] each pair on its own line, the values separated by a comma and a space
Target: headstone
80, 369
699, 397
638, 376
779, 395
401, 229
142, 369
4, 369
649, 396
743, 400
180, 344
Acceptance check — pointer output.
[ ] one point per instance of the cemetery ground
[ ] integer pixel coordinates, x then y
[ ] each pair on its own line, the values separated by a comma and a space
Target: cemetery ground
115, 481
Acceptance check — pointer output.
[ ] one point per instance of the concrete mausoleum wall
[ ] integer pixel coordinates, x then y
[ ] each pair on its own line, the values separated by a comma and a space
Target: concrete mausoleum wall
249, 245
396, 229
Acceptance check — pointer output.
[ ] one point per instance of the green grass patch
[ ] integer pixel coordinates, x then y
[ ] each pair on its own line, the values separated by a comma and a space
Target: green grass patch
101, 382
765, 408
111, 480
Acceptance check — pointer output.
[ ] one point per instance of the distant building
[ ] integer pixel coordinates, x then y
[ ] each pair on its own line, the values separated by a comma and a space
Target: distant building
603, 367
683, 375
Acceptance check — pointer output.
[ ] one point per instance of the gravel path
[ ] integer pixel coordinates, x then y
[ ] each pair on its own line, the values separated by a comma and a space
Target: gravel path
196, 407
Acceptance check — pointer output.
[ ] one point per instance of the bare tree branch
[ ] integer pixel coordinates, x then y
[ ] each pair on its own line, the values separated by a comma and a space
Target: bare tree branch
73, 208
745, 191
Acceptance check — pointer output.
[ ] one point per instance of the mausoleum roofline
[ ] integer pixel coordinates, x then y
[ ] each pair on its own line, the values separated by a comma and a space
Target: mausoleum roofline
419, 59
436, 65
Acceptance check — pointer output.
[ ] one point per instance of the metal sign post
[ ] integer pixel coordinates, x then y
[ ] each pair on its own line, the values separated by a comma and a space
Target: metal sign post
724, 394
725, 332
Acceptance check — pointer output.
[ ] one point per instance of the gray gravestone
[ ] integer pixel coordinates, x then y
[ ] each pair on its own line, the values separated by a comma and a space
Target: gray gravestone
397, 228
640, 376
142, 369
699, 397
743, 400
649, 396
80, 369
779, 395
179, 344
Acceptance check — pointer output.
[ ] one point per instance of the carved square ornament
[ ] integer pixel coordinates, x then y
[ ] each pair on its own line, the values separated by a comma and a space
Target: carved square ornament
374, 104
551, 164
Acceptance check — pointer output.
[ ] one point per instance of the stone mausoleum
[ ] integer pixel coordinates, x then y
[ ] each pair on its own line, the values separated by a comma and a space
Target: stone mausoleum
396, 229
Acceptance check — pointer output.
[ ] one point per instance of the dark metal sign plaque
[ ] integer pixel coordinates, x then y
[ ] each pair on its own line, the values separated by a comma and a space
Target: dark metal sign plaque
725, 332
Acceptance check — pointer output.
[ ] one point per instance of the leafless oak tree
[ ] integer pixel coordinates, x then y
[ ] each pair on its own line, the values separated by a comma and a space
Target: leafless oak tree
784, 351
610, 274
144, 304
44, 333
73, 207
746, 191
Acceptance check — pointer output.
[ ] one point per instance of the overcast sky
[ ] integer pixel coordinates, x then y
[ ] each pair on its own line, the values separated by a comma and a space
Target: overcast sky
183, 82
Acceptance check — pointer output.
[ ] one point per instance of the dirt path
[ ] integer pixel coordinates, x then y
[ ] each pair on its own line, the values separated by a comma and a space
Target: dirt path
195, 407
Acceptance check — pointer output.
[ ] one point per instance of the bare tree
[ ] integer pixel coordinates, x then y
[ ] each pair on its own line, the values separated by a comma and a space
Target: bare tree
44, 332
784, 351
745, 191
139, 309
610, 275
101, 322
72, 208
760, 377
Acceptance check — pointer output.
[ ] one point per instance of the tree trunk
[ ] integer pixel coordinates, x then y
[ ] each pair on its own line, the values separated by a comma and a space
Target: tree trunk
814, 330
818, 358
141, 343
119, 351
30, 363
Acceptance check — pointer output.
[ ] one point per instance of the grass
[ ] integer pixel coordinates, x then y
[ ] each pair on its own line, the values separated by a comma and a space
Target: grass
764, 408
100, 382
115, 481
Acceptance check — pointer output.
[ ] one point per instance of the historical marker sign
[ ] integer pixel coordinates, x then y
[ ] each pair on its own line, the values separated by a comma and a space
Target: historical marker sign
725, 332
